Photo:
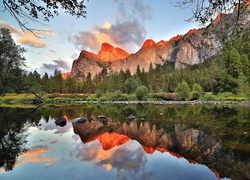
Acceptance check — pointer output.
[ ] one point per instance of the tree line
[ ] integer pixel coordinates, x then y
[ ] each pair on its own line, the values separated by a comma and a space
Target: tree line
228, 72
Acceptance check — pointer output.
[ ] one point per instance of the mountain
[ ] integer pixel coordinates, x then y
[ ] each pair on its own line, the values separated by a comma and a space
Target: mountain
110, 54
196, 46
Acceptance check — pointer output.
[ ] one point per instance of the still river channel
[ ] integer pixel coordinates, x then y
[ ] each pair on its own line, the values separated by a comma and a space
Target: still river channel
163, 142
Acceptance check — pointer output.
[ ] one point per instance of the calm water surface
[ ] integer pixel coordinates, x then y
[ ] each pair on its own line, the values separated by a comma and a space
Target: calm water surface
164, 142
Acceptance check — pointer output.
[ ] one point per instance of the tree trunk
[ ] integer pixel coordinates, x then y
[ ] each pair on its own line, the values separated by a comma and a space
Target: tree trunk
39, 98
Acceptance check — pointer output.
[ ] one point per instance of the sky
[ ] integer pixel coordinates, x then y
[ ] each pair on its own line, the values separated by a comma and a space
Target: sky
125, 24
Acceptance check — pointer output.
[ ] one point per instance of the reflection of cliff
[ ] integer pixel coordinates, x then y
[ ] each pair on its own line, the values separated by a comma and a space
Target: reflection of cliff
180, 141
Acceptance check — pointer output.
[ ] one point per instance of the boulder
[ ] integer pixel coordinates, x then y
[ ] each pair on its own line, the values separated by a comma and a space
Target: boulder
60, 121
79, 120
130, 117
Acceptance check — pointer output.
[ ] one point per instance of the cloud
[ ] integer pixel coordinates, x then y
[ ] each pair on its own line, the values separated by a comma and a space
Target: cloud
31, 42
46, 53
52, 51
36, 156
28, 38
13, 29
127, 31
128, 161
60, 65
122, 34
57, 64
137, 9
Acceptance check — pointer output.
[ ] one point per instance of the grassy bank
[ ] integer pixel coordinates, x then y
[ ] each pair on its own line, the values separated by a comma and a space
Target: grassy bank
20, 99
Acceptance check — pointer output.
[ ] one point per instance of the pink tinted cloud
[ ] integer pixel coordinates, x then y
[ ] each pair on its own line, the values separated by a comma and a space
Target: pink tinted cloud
28, 38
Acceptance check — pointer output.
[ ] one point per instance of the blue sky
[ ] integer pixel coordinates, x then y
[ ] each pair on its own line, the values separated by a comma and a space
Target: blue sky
125, 24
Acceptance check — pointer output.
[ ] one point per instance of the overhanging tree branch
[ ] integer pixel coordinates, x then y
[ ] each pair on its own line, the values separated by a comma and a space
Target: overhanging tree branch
41, 10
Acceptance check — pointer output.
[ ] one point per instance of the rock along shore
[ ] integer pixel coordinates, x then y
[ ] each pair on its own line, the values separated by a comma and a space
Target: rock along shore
246, 103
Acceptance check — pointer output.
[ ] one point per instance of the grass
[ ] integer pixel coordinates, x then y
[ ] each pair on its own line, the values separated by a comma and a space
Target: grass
18, 99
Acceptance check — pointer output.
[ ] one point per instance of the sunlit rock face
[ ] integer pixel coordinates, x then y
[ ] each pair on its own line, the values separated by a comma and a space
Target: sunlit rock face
65, 75
147, 43
194, 47
86, 62
110, 54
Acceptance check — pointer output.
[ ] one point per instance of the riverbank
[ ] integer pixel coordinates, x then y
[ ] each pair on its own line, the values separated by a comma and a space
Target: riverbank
73, 99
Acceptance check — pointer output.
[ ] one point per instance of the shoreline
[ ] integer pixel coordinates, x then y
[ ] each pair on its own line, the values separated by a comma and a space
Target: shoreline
196, 102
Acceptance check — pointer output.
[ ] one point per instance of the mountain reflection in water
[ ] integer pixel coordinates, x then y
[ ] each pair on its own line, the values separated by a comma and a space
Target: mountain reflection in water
173, 142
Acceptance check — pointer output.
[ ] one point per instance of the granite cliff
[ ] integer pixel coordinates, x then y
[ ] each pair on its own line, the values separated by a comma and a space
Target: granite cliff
194, 47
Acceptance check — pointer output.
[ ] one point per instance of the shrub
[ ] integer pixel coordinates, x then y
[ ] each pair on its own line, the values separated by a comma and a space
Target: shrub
182, 91
98, 93
117, 95
197, 92
209, 97
141, 93
130, 85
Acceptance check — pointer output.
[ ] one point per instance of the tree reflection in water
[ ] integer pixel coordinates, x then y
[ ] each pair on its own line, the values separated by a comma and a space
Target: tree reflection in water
216, 136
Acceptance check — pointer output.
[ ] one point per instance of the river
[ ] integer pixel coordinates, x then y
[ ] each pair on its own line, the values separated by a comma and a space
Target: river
162, 142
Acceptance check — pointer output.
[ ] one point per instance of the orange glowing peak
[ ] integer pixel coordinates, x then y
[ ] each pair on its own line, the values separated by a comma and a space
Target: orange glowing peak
162, 150
218, 18
110, 140
68, 119
65, 75
161, 43
148, 150
216, 173
192, 161
110, 54
148, 42
176, 38
107, 47
192, 31
176, 155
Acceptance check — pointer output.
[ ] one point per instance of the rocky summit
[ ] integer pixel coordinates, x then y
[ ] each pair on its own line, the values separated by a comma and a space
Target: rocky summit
196, 46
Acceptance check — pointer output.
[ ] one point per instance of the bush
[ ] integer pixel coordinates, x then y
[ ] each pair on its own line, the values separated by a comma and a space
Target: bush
163, 96
98, 93
131, 97
141, 93
182, 91
195, 95
197, 92
209, 97
117, 95
130, 85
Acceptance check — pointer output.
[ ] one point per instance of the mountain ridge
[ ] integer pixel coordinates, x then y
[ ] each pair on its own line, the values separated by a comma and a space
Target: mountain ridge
194, 47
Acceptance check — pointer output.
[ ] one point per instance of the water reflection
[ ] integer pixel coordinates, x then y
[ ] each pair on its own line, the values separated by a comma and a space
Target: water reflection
180, 142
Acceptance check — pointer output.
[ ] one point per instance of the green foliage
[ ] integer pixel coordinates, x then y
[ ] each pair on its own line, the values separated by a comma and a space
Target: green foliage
182, 90
130, 85
11, 62
243, 85
162, 96
98, 93
196, 92
117, 95
141, 93
209, 97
